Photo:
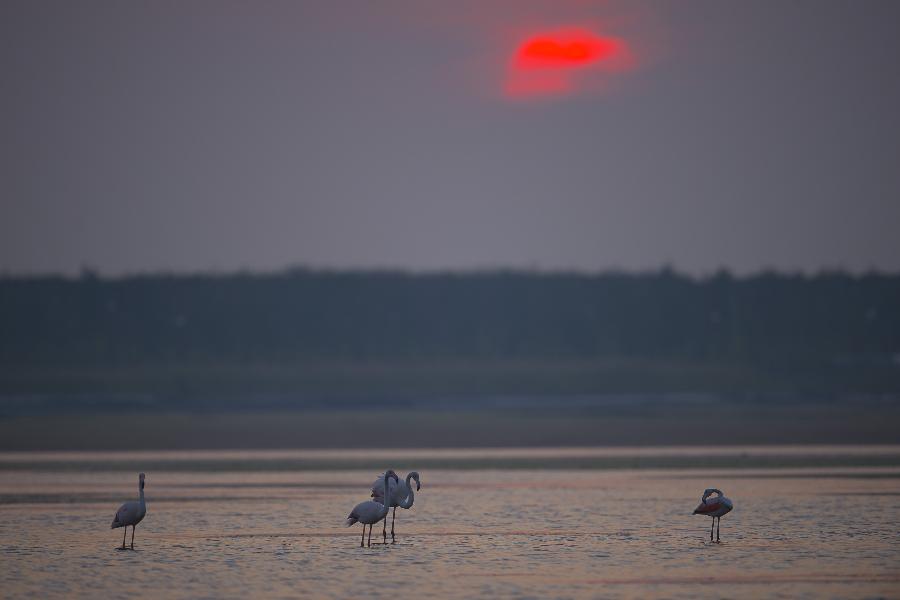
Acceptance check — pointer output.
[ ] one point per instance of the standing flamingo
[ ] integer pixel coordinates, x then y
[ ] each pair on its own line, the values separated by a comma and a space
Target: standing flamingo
370, 512
401, 494
715, 508
131, 513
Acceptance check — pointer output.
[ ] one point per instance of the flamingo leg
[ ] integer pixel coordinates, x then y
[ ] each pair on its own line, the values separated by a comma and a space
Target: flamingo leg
718, 527
132, 536
384, 530
124, 533
370, 536
711, 529
363, 538
393, 538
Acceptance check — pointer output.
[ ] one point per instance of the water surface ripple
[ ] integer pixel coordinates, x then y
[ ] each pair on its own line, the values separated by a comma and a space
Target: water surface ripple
228, 532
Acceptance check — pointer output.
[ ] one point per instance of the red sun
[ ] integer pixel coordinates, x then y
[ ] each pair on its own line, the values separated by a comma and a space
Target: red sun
550, 63
547, 52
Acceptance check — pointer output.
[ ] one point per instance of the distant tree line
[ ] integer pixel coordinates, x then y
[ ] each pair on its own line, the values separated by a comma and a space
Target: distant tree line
765, 319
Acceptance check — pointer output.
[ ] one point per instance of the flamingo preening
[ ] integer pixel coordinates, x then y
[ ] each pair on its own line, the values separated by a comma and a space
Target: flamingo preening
131, 513
715, 508
370, 512
400, 494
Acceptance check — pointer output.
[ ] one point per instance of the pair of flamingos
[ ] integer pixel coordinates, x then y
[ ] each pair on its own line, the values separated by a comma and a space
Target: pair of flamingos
399, 493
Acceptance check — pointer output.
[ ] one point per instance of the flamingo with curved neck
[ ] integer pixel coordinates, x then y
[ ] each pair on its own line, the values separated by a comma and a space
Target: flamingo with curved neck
714, 507
370, 512
401, 495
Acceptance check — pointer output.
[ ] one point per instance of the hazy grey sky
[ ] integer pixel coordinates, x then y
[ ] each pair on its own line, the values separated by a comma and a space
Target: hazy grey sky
194, 135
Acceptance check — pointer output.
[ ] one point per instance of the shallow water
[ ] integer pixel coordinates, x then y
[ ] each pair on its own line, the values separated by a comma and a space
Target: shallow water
227, 531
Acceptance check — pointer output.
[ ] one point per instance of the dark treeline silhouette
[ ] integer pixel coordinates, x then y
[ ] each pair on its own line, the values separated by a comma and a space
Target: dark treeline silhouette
768, 319
324, 359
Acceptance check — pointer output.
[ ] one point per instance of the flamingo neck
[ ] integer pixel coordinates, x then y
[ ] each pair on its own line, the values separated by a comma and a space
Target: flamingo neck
709, 492
384, 498
408, 501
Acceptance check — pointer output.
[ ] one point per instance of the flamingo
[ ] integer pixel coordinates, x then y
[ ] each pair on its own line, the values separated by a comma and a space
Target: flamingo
370, 512
715, 508
401, 495
131, 513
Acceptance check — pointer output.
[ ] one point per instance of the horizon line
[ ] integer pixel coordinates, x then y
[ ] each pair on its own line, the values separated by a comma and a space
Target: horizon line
87, 272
